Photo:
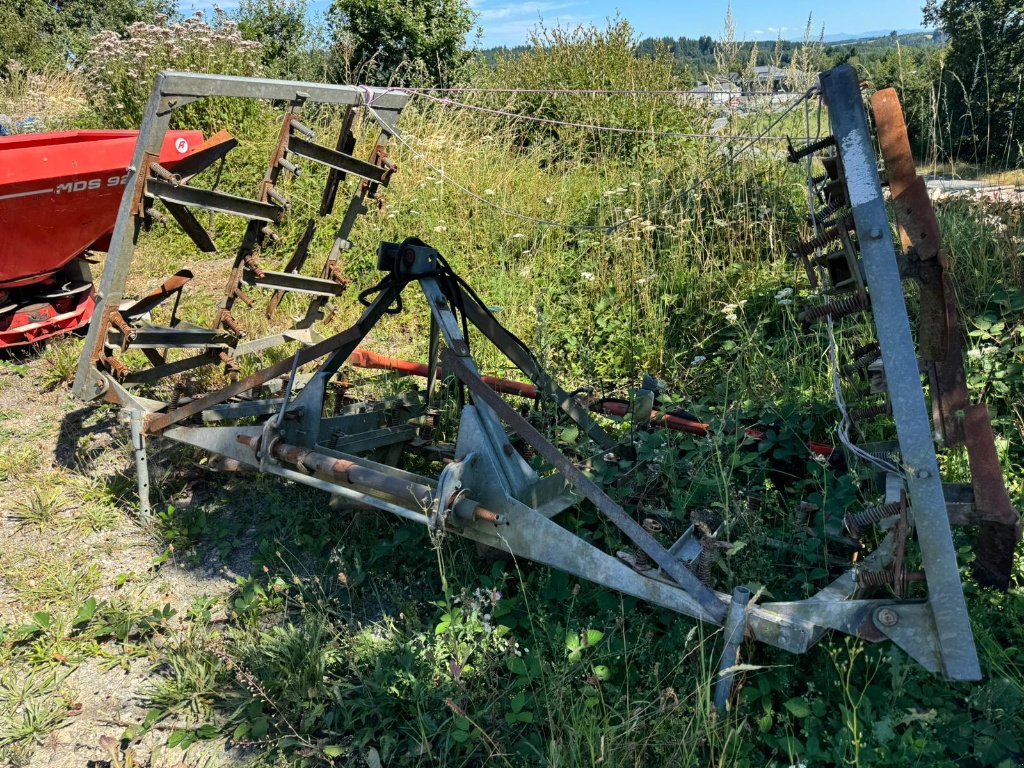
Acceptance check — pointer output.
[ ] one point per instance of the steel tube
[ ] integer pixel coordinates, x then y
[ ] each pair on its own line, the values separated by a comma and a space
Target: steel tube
735, 628
351, 473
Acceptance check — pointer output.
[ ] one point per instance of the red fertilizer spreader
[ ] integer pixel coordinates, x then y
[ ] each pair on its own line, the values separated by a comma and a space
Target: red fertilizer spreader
59, 194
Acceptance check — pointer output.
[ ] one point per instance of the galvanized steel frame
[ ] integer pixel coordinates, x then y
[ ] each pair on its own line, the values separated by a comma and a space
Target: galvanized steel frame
487, 468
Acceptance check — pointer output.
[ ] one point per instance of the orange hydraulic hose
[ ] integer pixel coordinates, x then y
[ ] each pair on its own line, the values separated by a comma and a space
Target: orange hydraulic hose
364, 358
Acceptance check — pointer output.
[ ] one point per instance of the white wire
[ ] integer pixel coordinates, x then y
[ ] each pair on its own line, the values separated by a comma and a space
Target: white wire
845, 421
608, 228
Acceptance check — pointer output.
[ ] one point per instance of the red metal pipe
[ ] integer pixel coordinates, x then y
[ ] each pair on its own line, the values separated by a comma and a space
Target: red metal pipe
364, 358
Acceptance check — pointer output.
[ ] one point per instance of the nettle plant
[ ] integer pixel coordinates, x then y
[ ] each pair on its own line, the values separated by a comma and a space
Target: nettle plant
121, 69
996, 359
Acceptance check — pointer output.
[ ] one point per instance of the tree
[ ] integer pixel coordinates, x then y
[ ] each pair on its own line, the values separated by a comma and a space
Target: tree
280, 26
983, 76
38, 33
399, 41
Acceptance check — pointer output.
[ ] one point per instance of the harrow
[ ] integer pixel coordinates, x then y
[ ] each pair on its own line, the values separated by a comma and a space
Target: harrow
502, 482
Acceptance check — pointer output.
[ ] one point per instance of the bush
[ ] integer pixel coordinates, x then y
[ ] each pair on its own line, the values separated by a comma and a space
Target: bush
588, 57
121, 69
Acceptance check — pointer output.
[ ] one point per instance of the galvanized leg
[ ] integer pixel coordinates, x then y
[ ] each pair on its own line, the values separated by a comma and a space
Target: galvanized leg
141, 462
841, 91
735, 626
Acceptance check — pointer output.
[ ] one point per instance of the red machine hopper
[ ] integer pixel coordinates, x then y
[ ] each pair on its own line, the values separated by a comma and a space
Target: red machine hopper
59, 194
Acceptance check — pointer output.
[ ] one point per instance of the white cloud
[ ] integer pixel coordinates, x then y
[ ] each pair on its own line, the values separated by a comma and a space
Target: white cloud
535, 8
510, 23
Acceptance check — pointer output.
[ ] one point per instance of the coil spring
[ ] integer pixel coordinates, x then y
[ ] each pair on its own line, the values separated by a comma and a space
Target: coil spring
889, 578
252, 262
841, 212
825, 213
857, 521
823, 238
836, 309
863, 349
892, 455
230, 364
808, 149
702, 568
702, 527
863, 357
119, 369
176, 397
118, 321
882, 409
242, 296
820, 179
336, 275
228, 322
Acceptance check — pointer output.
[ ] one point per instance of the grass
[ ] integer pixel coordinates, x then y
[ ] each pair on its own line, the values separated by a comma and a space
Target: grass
961, 170
54, 99
40, 508
346, 634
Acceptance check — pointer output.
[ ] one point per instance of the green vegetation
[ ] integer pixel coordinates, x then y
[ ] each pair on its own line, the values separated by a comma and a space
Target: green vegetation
256, 622
387, 42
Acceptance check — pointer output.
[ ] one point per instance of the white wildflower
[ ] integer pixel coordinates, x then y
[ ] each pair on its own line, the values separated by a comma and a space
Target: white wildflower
697, 360
588, 276
974, 353
489, 192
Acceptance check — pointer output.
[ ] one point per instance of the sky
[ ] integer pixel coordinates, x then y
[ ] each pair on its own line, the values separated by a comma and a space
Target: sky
507, 22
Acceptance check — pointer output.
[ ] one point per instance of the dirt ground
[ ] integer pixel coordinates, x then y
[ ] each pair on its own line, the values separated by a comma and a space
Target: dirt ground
51, 444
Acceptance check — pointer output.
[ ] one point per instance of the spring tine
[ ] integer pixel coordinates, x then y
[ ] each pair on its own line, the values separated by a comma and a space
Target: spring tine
808, 149
857, 521
289, 166
863, 414
825, 237
835, 309
252, 262
277, 197
302, 128
863, 357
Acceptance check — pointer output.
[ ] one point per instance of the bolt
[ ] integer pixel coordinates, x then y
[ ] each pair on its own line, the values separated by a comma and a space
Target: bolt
887, 617
876, 233
923, 474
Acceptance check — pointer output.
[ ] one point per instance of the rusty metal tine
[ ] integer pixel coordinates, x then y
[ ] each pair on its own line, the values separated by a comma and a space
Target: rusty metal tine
294, 264
153, 299
349, 337
346, 143
1000, 530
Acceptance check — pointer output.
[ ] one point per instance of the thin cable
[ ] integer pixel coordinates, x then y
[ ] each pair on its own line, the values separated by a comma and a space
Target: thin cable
845, 421
608, 228
606, 92
594, 127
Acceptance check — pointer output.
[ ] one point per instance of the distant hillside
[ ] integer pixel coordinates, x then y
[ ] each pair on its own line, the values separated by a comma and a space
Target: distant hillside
875, 40
698, 54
